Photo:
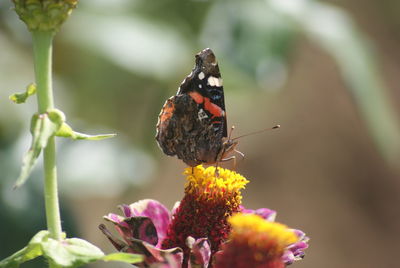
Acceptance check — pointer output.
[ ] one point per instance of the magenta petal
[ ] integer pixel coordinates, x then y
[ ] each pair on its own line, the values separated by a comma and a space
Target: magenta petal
288, 257
200, 252
298, 246
119, 222
265, 213
295, 251
172, 257
154, 210
142, 228
300, 234
114, 218
126, 210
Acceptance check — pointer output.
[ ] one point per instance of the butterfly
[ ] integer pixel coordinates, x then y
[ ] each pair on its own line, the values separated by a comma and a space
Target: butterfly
192, 124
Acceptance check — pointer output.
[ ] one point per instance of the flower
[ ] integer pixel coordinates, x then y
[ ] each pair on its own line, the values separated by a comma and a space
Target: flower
210, 198
201, 231
143, 228
44, 15
255, 242
293, 252
197, 227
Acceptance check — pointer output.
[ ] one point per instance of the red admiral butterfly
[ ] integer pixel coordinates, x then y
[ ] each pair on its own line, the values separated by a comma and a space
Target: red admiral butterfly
192, 124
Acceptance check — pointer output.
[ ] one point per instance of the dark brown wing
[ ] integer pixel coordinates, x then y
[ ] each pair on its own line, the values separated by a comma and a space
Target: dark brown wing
204, 85
181, 132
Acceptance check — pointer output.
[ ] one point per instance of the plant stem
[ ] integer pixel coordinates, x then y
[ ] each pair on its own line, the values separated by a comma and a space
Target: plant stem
42, 51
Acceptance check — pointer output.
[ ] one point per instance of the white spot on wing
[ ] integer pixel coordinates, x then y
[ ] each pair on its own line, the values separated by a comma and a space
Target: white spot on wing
214, 81
202, 115
200, 86
201, 75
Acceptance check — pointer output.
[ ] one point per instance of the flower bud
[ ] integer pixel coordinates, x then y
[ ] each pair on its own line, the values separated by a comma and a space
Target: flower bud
44, 15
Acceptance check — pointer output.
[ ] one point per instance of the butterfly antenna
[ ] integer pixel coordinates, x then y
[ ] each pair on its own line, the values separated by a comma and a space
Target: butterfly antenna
256, 132
230, 132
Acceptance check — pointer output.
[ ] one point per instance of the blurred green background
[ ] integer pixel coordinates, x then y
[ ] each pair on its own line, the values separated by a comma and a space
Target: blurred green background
327, 71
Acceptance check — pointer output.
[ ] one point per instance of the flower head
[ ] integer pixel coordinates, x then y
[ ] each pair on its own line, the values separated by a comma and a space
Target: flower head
210, 198
210, 184
255, 242
44, 15
201, 231
293, 252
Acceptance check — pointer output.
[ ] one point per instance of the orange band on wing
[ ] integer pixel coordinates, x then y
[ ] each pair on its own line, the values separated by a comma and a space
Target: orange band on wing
214, 109
210, 107
196, 97
167, 111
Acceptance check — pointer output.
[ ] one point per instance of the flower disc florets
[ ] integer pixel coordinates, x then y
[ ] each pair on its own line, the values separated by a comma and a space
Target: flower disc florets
210, 198
255, 242
209, 185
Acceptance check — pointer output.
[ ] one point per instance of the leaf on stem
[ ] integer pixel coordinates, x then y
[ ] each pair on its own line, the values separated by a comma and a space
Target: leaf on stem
124, 257
67, 132
43, 126
31, 251
71, 252
19, 98
75, 252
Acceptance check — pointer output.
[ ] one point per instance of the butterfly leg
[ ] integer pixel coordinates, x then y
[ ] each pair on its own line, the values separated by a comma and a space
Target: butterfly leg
216, 170
229, 159
234, 158
239, 153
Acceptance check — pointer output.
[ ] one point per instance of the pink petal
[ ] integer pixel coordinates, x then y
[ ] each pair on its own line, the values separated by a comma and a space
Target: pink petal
154, 210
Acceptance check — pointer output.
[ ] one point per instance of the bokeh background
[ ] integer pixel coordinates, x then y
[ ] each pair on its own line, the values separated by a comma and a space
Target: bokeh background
327, 71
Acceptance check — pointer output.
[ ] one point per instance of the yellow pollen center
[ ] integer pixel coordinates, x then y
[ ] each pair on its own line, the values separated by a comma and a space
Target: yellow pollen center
261, 233
212, 185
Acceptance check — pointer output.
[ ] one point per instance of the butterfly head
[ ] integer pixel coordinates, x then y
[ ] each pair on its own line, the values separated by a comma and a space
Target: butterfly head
228, 146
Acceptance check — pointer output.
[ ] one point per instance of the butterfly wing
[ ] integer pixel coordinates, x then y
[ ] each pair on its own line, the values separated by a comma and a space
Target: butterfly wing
192, 124
204, 85
180, 132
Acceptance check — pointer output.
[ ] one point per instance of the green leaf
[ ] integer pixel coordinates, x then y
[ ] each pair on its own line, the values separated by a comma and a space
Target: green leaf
43, 126
71, 252
74, 252
31, 251
14, 260
124, 257
67, 132
22, 97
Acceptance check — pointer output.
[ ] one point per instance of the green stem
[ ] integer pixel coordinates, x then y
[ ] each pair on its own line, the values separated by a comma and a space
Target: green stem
42, 53
42, 50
